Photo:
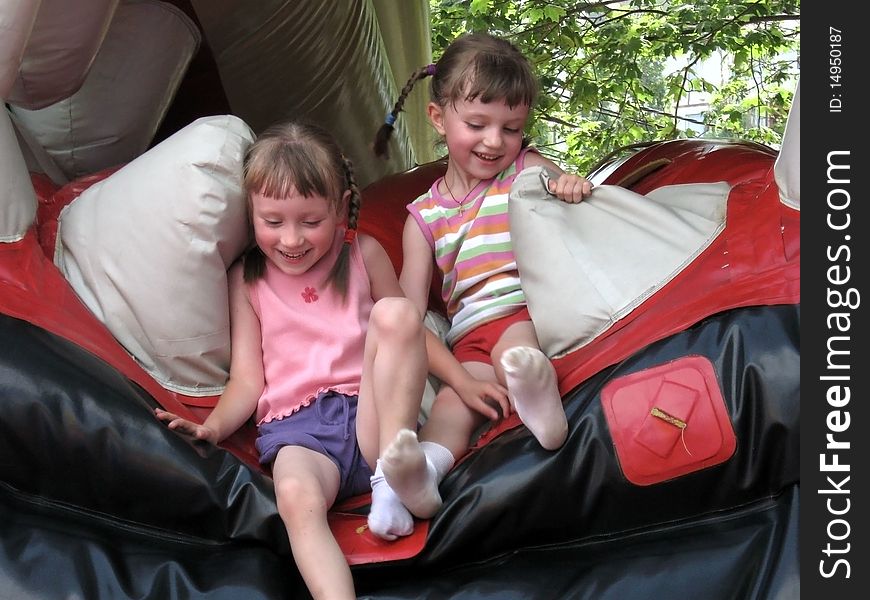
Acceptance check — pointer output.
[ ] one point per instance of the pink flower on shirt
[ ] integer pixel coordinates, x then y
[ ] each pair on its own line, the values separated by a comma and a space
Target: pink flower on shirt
310, 295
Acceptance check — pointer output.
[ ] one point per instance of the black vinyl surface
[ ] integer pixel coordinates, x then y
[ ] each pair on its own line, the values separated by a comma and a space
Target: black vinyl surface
98, 500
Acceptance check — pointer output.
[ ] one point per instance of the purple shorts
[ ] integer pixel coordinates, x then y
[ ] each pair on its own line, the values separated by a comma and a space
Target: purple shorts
327, 426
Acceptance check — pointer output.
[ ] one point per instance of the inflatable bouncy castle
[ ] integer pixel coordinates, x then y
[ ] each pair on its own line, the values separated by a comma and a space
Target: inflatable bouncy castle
669, 302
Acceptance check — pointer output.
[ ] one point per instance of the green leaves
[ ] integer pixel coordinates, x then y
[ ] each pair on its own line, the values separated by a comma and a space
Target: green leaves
612, 73
480, 7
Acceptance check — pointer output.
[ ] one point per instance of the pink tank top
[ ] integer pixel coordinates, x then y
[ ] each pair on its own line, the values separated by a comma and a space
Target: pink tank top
312, 340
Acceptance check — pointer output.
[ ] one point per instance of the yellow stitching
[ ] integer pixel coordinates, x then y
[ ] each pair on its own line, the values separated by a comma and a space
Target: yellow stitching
657, 412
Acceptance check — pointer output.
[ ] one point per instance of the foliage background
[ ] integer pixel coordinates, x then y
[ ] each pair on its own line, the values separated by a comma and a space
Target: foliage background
613, 72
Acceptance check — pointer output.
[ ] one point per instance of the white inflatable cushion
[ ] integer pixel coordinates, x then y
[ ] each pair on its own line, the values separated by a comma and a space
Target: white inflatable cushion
585, 266
59, 50
16, 23
113, 116
147, 250
787, 168
17, 198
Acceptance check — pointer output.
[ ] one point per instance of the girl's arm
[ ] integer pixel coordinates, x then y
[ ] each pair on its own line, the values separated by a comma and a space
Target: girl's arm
569, 187
473, 392
239, 399
417, 259
382, 275
415, 279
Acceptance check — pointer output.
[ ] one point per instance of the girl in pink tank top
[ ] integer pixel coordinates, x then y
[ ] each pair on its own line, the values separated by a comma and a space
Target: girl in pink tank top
327, 352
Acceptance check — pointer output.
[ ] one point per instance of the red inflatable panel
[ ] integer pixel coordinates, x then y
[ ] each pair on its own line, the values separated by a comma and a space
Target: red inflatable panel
668, 420
383, 215
755, 261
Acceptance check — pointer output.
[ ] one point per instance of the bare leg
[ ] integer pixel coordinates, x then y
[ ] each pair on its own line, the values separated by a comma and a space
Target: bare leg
394, 375
306, 484
395, 367
451, 422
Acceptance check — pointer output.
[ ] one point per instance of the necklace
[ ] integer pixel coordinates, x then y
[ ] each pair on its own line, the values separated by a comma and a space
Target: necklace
459, 203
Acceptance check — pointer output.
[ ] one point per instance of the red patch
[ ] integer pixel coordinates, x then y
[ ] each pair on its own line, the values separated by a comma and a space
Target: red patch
668, 420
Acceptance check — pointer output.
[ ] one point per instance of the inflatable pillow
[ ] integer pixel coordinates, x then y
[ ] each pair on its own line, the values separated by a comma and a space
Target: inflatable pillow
585, 266
56, 53
114, 113
147, 250
17, 198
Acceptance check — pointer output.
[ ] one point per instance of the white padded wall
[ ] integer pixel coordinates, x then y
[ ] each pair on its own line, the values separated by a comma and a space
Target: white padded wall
59, 50
16, 23
113, 116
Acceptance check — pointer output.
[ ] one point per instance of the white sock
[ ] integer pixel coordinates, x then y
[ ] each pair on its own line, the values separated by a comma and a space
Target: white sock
388, 517
412, 475
440, 457
534, 391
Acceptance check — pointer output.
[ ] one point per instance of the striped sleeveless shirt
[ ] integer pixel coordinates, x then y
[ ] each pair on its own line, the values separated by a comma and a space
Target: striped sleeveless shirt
473, 250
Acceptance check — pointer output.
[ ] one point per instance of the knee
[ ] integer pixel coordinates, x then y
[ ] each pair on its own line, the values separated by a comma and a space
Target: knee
396, 317
298, 499
448, 402
446, 396
498, 351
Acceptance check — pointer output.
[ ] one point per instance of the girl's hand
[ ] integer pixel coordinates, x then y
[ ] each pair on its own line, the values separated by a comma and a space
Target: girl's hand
484, 397
194, 430
570, 188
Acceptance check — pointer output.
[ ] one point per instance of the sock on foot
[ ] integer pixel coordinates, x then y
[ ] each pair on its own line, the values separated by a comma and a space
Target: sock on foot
388, 517
412, 475
440, 457
532, 386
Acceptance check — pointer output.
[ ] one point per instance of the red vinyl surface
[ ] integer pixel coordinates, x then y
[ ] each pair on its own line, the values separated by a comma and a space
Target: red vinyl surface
755, 261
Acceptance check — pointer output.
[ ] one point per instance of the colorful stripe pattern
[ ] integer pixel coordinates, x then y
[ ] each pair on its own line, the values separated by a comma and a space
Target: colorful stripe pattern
473, 249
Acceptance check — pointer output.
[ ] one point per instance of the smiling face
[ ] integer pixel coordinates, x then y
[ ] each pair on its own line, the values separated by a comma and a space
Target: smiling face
483, 139
294, 231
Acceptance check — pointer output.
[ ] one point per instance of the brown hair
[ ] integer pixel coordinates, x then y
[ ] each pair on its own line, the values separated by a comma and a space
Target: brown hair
304, 156
474, 65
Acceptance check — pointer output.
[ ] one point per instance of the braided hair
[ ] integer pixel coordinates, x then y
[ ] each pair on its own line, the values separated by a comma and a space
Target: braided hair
474, 65
338, 276
302, 156
382, 137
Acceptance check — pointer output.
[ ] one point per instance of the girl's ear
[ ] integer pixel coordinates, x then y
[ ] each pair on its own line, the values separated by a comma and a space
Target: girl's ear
436, 116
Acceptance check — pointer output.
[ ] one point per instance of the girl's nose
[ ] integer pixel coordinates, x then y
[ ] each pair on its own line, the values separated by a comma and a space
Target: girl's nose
493, 138
291, 237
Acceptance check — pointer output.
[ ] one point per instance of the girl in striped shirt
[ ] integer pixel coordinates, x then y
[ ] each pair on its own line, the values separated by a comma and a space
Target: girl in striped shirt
482, 91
